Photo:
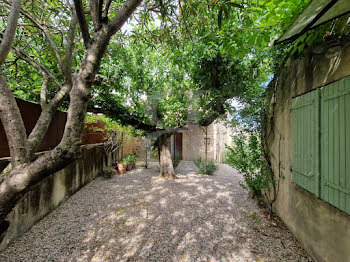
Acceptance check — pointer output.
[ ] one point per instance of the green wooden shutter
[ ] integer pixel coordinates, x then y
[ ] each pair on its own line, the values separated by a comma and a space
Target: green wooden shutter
335, 144
305, 137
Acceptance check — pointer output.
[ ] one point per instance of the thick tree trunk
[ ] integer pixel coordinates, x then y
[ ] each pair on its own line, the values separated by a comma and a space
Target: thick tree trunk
24, 174
165, 161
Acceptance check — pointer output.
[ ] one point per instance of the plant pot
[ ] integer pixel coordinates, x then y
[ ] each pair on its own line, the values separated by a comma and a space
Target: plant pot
122, 168
130, 166
115, 165
108, 172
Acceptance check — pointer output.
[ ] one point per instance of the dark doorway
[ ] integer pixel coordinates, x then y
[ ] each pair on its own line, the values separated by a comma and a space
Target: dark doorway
178, 145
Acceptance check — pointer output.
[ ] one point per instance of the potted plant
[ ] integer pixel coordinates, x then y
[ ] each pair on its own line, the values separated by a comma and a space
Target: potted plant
122, 166
132, 161
127, 161
115, 165
108, 172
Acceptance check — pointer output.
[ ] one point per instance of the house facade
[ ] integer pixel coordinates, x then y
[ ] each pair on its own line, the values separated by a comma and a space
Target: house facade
308, 138
202, 143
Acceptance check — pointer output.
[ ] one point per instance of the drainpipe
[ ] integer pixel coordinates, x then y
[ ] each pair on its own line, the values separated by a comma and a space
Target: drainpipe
206, 145
174, 143
146, 153
122, 149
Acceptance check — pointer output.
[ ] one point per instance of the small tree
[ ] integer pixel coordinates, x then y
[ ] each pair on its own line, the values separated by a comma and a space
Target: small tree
112, 143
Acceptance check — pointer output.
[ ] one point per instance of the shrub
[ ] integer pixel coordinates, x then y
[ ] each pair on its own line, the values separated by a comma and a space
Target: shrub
246, 157
108, 172
124, 161
176, 161
129, 159
206, 168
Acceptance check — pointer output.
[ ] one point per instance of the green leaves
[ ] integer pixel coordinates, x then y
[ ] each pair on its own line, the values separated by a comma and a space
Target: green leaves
172, 49
246, 156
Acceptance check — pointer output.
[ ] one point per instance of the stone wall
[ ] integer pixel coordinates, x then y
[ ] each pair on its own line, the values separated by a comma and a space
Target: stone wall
222, 137
53, 191
193, 144
323, 230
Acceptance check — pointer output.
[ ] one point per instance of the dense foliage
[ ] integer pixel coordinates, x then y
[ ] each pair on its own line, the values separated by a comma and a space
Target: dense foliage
246, 156
177, 62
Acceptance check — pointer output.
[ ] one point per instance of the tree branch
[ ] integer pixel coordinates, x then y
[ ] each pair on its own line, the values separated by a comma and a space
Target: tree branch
219, 110
13, 124
43, 70
108, 4
9, 35
94, 11
43, 92
125, 120
124, 13
43, 123
82, 22
20, 180
69, 49
46, 32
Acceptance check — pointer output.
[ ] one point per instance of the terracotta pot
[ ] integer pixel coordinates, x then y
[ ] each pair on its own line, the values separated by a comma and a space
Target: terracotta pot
122, 168
130, 166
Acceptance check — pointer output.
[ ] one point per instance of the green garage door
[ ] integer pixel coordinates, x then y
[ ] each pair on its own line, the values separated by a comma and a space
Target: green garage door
335, 144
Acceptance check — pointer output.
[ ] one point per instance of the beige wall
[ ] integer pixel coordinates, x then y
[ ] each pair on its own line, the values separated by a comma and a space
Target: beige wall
193, 143
222, 136
322, 229
52, 191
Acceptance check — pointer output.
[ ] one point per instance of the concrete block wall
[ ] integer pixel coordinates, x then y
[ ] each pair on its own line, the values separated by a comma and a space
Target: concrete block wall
53, 191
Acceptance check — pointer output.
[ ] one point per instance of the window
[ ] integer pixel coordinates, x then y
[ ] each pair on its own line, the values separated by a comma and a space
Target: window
321, 143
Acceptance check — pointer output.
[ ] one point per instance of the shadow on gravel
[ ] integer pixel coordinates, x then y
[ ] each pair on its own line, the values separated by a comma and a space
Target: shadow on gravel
141, 217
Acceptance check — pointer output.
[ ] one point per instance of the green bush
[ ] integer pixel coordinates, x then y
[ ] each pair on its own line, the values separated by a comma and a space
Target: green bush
176, 161
206, 168
246, 157
129, 159
124, 161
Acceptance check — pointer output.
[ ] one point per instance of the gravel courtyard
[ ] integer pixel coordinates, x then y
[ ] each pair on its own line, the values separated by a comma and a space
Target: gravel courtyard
141, 217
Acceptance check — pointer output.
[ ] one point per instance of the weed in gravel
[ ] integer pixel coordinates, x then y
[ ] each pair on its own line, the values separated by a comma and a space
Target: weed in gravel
256, 220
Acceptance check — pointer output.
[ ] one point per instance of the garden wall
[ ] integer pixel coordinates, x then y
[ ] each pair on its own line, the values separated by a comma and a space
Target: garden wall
322, 229
53, 191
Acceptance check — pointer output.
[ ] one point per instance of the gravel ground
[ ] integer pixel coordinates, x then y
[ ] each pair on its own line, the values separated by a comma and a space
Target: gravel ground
141, 217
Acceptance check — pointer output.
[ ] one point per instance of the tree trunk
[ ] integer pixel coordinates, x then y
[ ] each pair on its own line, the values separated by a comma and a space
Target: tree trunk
26, 173
23, 176
165, 161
